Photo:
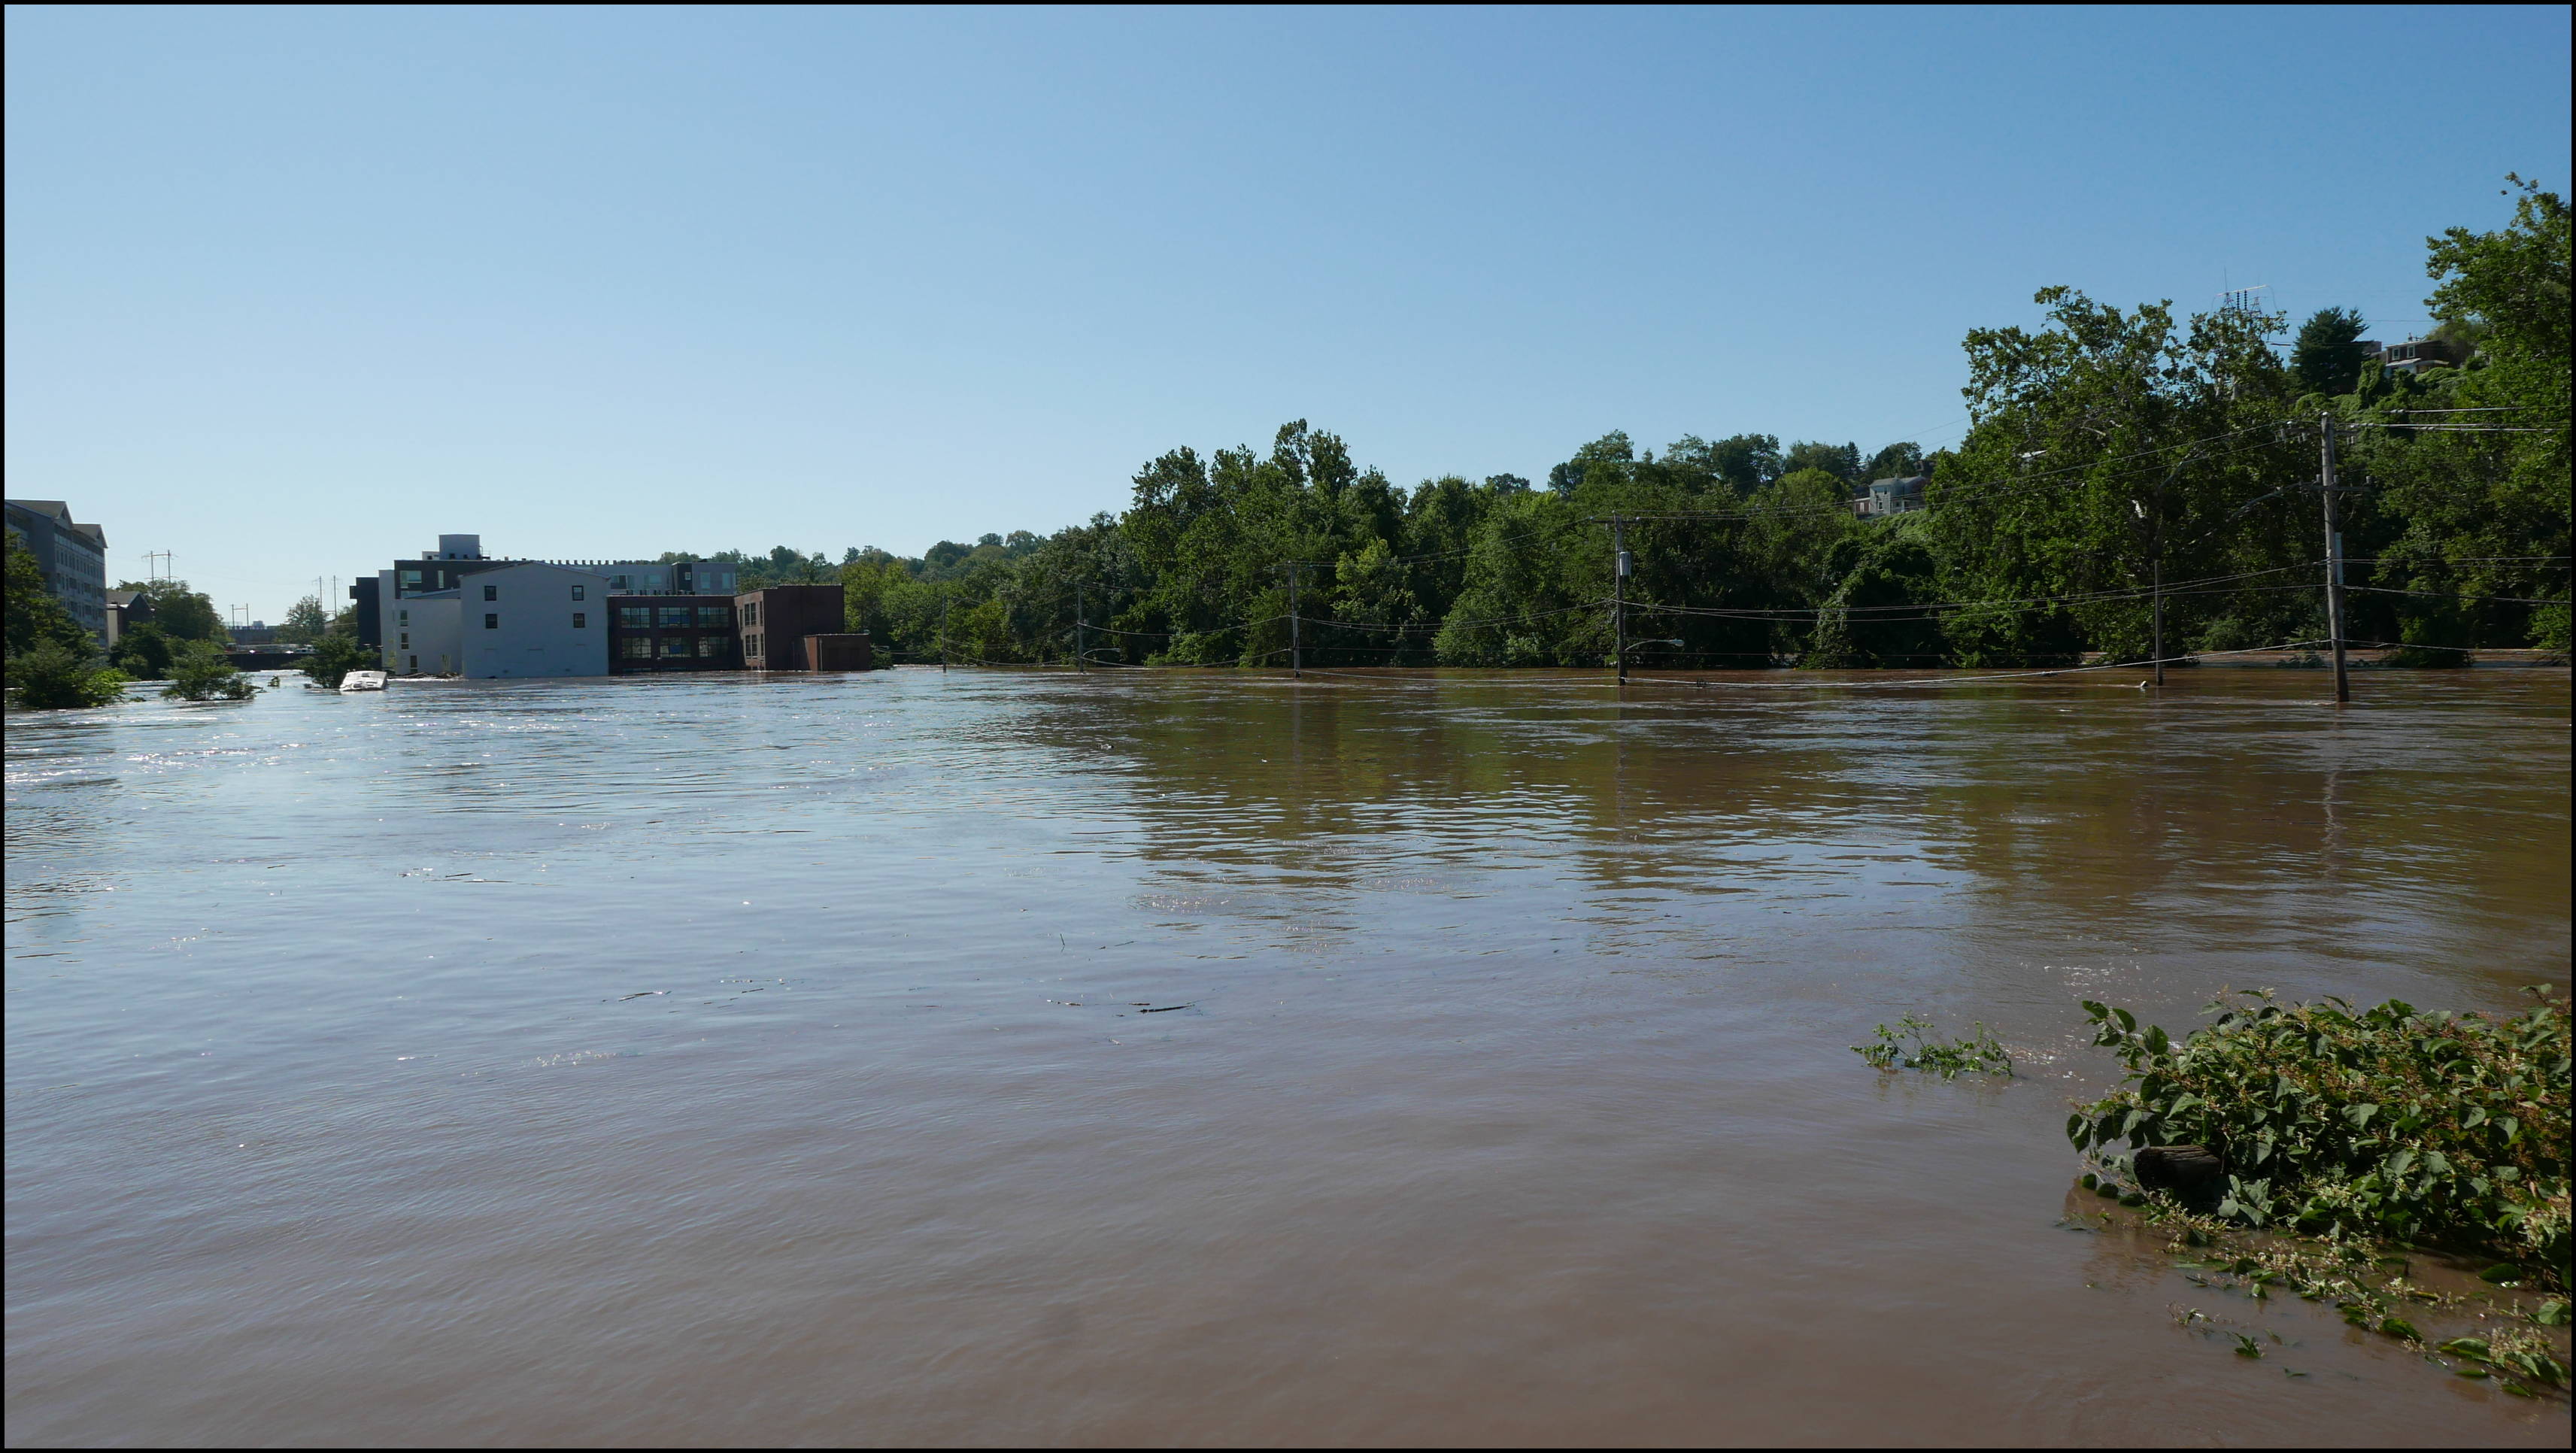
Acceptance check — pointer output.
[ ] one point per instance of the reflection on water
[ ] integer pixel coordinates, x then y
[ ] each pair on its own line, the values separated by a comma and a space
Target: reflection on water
1189, 1058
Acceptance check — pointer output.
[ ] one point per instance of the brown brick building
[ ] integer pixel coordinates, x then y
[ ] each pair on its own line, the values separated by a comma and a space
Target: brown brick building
672, 633
781, 628
775, 622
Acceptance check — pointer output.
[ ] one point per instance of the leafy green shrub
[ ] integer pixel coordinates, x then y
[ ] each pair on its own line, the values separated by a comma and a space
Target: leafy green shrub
144, 651
2434, 1127
335, 656
200, 671
52, 673
1980, 1054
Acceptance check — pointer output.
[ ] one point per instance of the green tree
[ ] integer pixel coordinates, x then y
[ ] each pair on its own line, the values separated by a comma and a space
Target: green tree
2472, 522
335, 656
200, 671
1896, 461
182, 614
143, 651
1842, 461
52, 674
304, 621
51, 661
2328, 355
34, 615
2106, 449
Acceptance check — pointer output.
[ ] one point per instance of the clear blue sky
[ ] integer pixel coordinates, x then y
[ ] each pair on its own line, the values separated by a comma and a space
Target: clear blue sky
289, 292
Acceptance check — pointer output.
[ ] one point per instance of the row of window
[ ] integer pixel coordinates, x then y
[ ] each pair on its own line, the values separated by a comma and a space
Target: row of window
674, 617
642, 648
492, 621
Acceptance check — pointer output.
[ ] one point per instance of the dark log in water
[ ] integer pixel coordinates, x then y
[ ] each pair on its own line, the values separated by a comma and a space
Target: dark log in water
2192, 1174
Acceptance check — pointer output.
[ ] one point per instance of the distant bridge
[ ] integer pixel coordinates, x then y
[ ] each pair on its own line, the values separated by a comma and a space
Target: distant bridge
265, 658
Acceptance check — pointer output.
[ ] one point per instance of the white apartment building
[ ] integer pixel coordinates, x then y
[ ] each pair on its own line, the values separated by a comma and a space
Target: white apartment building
521, 620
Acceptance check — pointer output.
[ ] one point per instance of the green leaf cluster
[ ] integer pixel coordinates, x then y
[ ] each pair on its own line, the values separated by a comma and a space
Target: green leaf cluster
2392, 1122
1906, 1047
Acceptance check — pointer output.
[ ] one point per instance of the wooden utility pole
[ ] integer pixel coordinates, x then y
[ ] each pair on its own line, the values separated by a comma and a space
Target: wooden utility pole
2334, 555
1080, 663
1619, 593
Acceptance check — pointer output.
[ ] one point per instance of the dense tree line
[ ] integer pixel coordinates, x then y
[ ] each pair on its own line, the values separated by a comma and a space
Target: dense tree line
2114, 458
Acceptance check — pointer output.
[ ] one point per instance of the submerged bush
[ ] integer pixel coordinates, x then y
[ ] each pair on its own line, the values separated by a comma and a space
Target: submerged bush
1979, 1053
202, 672
335, 656
2432, 1127
55, 674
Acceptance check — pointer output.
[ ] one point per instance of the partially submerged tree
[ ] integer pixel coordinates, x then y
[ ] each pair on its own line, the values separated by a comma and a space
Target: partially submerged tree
200, 671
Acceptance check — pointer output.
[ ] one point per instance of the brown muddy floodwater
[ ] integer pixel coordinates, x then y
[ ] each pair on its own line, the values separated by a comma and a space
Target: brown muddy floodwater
1000, 1058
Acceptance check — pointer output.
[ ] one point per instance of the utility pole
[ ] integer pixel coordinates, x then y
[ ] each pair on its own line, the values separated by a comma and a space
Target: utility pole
2334, 556
2159, 631
1296, 635
1296, 638
1079, 663
152, 572
1619, 564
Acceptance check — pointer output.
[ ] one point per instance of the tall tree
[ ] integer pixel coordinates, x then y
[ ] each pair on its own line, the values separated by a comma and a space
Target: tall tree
304, 621
2328, 355
2482, 518
1896, 461
2105, 450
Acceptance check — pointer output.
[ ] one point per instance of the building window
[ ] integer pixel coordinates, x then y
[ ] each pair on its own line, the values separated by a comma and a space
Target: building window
714, 617
491, 622
405, 643
410, 580
415, 663
675, 617
491, 592
636, 648
751, 644
404, 615
618, 583
711, 645
675, 645
577, 591
581, 620
635, 617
